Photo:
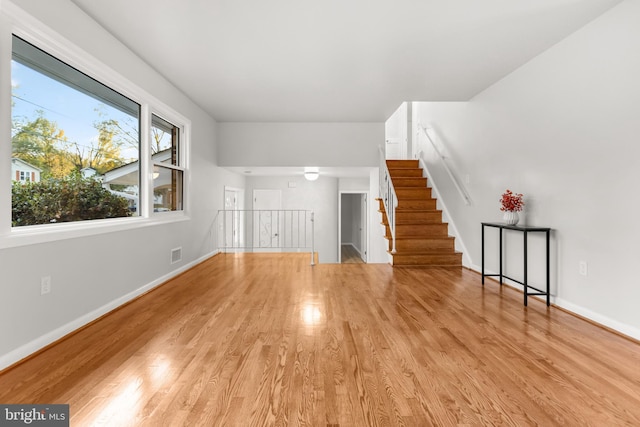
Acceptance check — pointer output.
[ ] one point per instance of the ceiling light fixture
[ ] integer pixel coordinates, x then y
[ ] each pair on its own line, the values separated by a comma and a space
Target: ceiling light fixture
311, 174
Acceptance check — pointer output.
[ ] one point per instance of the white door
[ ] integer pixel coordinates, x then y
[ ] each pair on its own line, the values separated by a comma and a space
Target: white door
231, 223
267, 220
395, 134
231, 220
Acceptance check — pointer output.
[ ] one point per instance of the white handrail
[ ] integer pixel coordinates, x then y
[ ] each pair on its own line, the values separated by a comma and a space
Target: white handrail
461, 191
389, 197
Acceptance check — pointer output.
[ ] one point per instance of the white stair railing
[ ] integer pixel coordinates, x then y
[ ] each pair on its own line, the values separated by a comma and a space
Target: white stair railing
389, 197
456, 183
274, 230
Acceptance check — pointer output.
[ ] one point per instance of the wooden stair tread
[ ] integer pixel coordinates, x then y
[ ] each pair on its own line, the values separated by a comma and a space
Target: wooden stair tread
426, 238
411, 163
410, 238
422, 237
444, 266
409, 181
433, 252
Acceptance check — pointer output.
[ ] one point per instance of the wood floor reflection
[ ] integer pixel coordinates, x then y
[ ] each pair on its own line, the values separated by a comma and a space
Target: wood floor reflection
267, 339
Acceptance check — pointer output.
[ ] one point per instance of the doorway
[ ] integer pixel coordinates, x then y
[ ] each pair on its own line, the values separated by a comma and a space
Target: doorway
267, 220
397, 134
232, 224
353, 227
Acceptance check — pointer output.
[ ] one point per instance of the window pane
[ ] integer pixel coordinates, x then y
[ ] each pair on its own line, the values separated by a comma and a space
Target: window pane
75, 143
167, 189
165, 139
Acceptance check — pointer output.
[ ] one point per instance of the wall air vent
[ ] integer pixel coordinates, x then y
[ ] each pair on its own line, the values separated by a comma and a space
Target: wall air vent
176, 255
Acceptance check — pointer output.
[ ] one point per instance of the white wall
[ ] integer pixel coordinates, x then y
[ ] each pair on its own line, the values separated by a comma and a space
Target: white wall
354, 184
300, 144
356, 225
91, 275
378, 245
563, 129
320, 196
346, 219
351, 216
351, 210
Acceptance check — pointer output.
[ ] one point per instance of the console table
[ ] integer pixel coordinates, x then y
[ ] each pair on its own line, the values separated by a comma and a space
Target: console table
525, 230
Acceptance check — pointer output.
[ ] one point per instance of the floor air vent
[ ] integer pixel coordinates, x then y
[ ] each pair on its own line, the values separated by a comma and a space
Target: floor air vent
176, 255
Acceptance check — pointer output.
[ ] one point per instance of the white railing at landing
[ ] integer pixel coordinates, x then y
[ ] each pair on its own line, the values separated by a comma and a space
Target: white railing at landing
389, 198
273, 230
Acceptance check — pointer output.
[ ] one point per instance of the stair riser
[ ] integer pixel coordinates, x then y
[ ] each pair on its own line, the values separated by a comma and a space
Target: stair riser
434, 217
405, 173
413, 193
422, 239
403, 164
424, 230
425, 221
424, 245
426, 205
409, 182
452, 259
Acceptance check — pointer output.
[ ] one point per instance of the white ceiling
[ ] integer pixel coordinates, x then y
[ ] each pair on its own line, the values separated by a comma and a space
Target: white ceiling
335, 60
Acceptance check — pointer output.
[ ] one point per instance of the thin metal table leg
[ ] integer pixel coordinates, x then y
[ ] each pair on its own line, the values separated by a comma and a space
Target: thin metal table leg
548, 274
525, 269
500, 256
482, 254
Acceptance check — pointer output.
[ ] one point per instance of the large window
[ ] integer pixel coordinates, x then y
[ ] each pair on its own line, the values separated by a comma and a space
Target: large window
75, 130
167, 165
78, 149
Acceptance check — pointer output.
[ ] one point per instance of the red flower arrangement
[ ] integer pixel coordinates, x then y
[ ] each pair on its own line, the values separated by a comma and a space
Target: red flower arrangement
511, 202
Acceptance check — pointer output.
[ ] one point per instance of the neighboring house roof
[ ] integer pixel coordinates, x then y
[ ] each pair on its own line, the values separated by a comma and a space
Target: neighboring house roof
128, 174
16, 161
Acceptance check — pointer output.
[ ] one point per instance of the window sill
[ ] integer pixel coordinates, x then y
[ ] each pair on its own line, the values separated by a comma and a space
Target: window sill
36, 234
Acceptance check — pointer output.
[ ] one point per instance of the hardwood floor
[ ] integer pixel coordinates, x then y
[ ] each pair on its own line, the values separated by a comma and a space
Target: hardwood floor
267, 339
349, 255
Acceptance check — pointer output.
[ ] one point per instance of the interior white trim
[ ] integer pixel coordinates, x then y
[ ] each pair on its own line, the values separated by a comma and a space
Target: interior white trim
367, 225
35, 234
597, 318
14, 20
33, 346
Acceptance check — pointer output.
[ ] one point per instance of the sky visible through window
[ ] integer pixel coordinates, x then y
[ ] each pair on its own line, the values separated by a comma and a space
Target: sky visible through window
72, 111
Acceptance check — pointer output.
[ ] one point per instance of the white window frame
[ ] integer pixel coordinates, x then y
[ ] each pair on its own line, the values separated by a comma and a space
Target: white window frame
14, 20
182, 156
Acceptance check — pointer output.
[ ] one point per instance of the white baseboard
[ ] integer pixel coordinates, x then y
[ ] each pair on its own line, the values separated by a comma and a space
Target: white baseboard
20, 353
605, 321
31, 347
620, 327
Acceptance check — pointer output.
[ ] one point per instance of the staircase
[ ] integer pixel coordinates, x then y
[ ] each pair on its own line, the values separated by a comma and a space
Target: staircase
422, 239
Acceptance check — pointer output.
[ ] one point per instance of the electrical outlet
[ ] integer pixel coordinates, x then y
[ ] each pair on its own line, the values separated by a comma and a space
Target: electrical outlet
45, 285
582, 268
